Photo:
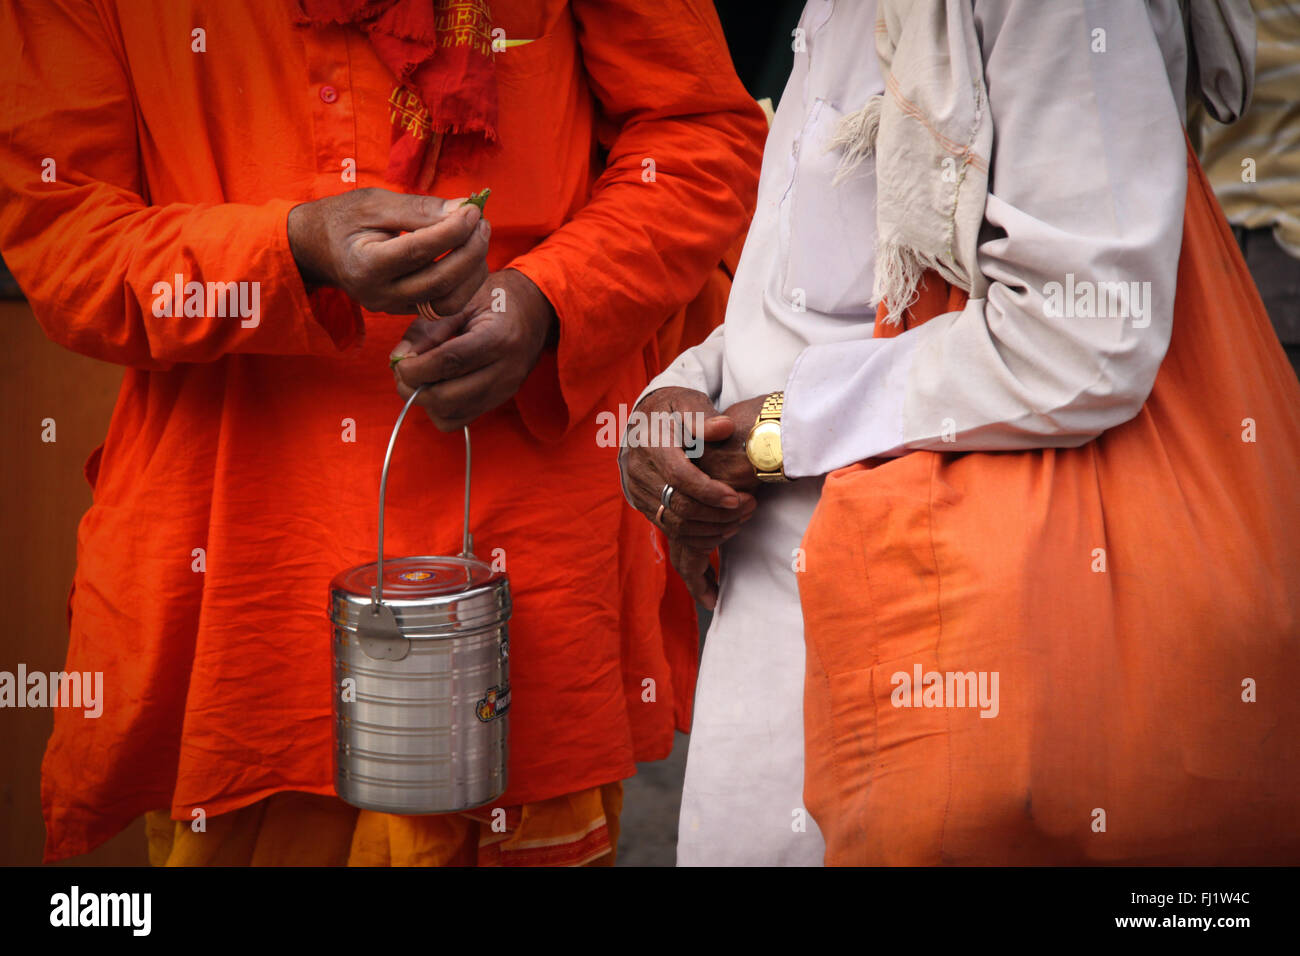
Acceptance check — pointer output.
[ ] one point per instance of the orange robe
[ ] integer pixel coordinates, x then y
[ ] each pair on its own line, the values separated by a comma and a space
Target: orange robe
240, 470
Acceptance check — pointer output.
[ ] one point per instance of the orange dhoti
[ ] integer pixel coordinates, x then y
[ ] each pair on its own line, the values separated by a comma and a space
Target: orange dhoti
305, 829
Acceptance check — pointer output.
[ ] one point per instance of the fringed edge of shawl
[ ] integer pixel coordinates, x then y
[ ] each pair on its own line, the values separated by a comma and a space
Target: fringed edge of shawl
899, 269
856, 136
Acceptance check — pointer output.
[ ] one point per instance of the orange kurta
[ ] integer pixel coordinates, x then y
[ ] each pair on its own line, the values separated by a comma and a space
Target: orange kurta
261, 445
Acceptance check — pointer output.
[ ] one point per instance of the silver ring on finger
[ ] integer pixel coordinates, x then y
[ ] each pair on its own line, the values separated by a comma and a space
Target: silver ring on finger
666, 496
659, 517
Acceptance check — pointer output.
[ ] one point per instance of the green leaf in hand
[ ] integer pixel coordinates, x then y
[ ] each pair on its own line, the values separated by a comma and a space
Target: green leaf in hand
478, 199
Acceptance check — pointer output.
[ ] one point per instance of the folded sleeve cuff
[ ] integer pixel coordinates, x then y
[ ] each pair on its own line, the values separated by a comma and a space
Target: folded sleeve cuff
547, 407
330, 310
844, 403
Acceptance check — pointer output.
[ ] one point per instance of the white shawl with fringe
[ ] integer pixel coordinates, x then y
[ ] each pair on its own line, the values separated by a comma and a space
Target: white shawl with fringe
932, 134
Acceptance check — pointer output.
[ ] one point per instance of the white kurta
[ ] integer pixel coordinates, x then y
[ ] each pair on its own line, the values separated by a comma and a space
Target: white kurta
1088, 178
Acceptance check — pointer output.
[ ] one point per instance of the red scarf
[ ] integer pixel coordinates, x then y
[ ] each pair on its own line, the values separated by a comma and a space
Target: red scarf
440, 51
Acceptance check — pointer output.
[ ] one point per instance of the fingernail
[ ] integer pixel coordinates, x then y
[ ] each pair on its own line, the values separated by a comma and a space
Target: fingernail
484, 227
403, 349
451, 205
731, 501
473, 214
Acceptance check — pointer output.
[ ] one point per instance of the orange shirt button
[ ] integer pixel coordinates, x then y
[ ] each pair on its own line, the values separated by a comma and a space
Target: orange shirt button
329, 94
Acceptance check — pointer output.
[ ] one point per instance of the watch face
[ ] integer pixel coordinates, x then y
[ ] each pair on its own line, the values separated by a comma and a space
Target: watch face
764, 448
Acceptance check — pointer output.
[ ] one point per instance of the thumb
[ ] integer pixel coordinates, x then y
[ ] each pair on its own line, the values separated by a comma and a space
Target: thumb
407, 212
717, 428
422, 335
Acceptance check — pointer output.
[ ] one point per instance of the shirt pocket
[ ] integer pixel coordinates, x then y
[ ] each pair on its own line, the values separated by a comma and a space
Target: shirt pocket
828, 231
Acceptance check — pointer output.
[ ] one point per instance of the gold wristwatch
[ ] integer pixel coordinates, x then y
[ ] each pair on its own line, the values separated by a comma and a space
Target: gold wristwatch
763, 447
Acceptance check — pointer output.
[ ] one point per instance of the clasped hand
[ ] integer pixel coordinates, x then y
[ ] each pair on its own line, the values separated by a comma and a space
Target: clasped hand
711, 496
393, 252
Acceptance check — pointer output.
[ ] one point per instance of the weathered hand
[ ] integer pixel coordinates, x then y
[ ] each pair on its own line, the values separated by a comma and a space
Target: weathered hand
723, 460
391, 251
478, 359
696, 572
724, 457
702, 513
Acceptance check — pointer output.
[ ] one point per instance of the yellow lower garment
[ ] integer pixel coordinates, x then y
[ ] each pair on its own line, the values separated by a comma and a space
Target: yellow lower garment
302, 829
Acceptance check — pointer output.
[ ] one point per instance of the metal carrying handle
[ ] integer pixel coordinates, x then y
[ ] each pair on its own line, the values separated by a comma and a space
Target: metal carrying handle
467, 540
